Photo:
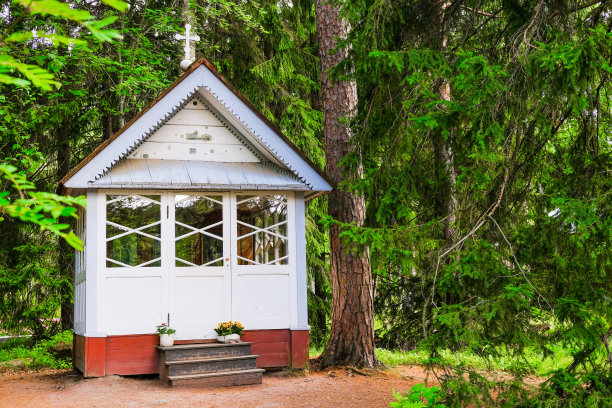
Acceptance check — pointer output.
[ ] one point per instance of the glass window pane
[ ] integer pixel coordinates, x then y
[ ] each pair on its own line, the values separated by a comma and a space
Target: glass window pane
133, 230
198, 230
198, 249
197, 213
262, 229
133, 211
133, 250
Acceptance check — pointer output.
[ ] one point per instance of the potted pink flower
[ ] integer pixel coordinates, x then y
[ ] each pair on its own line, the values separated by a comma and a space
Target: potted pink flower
166, 335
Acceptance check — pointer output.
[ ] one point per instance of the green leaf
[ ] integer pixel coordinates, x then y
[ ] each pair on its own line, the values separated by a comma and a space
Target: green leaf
103, 35
55, 39
39, 77
55, 8
116, 4
7, 79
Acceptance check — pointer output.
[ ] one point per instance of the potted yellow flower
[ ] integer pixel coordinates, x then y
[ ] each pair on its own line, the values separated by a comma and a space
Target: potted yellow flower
229, 332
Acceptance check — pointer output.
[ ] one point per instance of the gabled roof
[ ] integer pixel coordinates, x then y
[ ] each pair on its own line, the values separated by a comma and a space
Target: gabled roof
203, 82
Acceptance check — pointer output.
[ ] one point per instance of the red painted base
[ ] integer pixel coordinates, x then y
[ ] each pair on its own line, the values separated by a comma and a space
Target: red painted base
136, 354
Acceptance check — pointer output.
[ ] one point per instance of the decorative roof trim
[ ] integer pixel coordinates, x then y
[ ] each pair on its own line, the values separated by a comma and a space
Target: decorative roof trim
148, 134
252, 132
195, 95
230, 127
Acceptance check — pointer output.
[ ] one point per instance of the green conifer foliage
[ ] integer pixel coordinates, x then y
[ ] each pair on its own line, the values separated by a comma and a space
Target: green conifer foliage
529, 114
266, 49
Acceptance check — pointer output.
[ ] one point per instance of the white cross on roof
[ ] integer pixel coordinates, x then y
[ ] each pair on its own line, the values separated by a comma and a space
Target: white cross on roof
187, 61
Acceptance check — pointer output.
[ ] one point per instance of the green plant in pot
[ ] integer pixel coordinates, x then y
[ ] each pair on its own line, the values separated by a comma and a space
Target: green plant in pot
166, 335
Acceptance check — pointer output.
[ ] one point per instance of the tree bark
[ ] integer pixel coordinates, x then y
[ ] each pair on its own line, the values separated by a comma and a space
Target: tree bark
445, 158
351, 339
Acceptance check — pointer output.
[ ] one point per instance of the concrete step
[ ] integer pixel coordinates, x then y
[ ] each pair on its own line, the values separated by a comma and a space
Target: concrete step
200, 351
211, 365
222, 379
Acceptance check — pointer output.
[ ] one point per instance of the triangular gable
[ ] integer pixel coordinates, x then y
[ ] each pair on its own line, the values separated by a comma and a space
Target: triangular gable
197, 132
202, 82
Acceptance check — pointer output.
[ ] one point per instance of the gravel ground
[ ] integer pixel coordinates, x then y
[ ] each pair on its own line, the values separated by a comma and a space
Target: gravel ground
329, 388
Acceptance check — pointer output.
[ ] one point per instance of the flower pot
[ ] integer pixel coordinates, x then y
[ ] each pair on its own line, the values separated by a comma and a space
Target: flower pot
230, 338
166, 340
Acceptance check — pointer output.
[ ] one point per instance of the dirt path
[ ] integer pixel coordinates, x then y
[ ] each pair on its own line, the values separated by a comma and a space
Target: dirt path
333, 388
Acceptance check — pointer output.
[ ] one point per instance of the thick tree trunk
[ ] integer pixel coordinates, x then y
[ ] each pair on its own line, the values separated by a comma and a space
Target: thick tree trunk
446, 176
106, 123
65, 251
446, 180
351, 340
445, 158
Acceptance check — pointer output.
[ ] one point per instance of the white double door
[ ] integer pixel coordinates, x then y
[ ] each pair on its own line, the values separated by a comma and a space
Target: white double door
197, 260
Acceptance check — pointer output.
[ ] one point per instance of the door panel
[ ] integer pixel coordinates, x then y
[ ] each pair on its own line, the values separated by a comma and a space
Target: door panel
261, 264
133, 286
200, 306
261, 300
199, 275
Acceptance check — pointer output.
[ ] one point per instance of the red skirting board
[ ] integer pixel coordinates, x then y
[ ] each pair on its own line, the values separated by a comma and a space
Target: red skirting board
136, 354
89, 355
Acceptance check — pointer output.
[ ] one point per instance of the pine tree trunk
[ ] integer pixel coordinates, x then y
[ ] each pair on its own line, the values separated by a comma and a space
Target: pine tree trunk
446, 176
351, 340
445, 158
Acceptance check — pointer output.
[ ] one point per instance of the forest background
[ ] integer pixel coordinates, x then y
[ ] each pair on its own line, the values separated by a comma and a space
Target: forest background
483, 129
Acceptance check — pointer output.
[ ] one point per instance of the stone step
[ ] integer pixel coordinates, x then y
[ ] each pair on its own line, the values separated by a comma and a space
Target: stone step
211, 365
222, 379
198, 351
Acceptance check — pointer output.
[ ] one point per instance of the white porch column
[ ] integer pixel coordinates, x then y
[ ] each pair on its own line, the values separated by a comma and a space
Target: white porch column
94, 261
300, 260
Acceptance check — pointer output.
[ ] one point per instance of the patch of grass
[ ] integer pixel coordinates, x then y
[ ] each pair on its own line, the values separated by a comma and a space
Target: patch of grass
534, 362
315, 351
394, 358
55, 352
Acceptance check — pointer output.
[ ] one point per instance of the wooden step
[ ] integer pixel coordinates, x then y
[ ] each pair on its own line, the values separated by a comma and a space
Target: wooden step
210, 365
222, 379
204, 345
199, 351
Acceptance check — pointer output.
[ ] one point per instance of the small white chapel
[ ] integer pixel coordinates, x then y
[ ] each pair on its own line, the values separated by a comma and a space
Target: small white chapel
195, 216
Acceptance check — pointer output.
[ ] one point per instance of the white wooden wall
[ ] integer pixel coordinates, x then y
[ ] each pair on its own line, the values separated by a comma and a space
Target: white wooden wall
79, 276
135, 300
194, 133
